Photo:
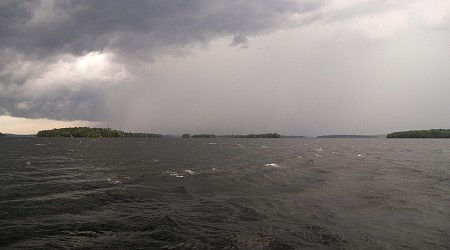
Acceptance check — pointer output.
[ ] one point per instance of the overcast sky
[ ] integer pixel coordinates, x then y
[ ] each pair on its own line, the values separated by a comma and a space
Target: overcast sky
297, 67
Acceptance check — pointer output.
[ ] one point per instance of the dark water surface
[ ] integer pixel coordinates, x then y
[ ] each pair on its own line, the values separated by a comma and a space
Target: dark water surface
58, 193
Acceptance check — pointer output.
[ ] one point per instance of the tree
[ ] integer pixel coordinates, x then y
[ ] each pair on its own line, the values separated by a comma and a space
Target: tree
431, 133
81, 132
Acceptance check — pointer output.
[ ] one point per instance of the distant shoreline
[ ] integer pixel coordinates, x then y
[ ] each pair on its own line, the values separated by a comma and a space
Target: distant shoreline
430, 133
351, 136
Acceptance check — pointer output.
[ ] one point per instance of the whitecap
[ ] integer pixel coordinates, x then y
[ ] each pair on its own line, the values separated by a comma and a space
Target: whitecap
114, 181
189, 171
360, 155
318, 155
212, 143
272, 165
265, 146
175, 174
319, 149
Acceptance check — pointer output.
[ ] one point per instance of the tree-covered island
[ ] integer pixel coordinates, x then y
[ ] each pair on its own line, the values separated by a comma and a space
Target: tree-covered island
147, 135
431, 133
91, 133
267, 135
204, 136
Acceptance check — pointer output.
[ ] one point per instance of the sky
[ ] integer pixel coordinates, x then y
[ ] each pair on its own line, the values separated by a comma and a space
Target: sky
296, 67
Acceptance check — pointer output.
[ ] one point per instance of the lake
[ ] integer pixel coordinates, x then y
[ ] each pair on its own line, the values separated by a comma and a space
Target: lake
141, 193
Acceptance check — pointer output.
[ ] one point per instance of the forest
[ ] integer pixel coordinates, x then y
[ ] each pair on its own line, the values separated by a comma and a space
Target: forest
431, 133
267, 135
91, 133
148, 135
204, 136
81, 132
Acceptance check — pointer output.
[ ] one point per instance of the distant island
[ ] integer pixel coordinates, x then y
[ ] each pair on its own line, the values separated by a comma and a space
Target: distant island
1, 134
351, 136
267, 135
91, 133
203, 136
431, 133
147, 135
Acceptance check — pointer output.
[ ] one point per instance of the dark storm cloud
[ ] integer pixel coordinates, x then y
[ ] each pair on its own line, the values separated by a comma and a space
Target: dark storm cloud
135, 26
34, 34
240, 40
60, 104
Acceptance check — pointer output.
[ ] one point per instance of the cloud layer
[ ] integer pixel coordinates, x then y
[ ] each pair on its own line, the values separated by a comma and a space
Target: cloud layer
43, 42
154, 61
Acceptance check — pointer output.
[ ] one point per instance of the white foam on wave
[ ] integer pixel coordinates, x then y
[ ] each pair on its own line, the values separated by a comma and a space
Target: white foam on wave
272, 165
175, 174
319, 149
360, 155
318, 155
114, 181
265, 146
190, 171
212, 143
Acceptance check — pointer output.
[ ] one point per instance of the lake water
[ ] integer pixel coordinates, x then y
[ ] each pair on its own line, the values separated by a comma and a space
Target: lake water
137, 193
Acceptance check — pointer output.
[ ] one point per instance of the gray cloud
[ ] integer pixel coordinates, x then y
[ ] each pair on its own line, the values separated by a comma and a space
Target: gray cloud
353, 66
135, 27
240, 40
34, 35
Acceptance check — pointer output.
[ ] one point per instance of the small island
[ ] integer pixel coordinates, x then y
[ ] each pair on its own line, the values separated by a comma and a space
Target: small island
91, 133
350, 136
1, 135
267, 135
146, 135
431, 133
203, 136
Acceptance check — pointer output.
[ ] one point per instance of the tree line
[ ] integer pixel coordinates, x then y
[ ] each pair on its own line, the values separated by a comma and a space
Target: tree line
204, 136
431, 133
148, 135
267, 135
90, 133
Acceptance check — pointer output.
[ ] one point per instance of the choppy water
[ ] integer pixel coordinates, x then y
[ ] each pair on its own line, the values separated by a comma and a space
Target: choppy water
224, 193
